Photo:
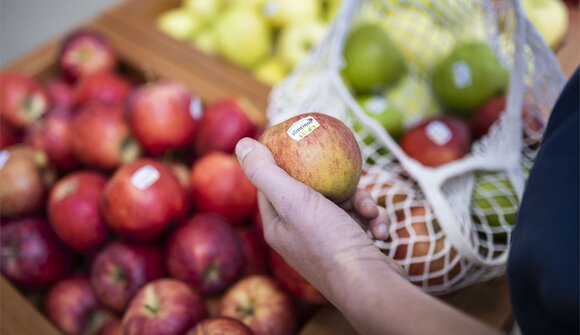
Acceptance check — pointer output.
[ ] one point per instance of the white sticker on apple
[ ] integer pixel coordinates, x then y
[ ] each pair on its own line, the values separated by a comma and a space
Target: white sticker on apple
145, 177
438, 132
4, 155
462, 75
377, 105
302, 128
195, 108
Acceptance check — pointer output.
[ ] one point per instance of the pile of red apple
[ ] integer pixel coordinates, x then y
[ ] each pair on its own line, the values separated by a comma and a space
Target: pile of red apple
122, 203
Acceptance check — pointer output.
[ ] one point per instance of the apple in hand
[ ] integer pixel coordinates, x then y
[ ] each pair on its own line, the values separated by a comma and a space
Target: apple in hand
220, 325
83, 53
31, 255
121, 269
437, 141
255, 250
163, 307
73, 210
222, 125
218, 185
107, 87
318, 150
259, 302
25, 176
101, 137
162, 116
60, 94
142, 199
52, 134
205, 252
292, 281
22, 99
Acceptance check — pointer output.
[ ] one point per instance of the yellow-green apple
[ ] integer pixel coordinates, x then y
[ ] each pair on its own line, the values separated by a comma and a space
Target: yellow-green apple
121, 269
179, 23
271, 71
292, 281
142, 199
318, 150
107, 87
297, 38
161, 116
413, 96
493, 200
22, 99
206, 253
218, 185
437, 141
550, 18
331, 9
223, 124
25, 176
261, 304
52, 134
85, 52
163, 307
220, 325
206, 10
255, 250
372, 59
101, 137
243, 36
281, 13
31, 255
73, 210
205, 40
383, 111
469, 76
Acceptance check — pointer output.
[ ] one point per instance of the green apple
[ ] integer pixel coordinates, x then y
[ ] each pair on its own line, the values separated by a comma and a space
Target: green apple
331, 9
205, 41
243, 36
380, 109
271, 71
413, 97
179, 23
468, 77
550, 18
207, 10
254, 4
419, 38
372, 59
282, 12
494, 198
297, 38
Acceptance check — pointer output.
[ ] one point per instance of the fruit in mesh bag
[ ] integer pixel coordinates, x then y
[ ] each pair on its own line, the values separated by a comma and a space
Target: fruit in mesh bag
382, 110
372, 59
494, 201
413, 96
469, 76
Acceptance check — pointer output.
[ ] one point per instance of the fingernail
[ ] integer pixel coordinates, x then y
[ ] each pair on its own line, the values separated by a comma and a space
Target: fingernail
368, 202
243, 148
382, 229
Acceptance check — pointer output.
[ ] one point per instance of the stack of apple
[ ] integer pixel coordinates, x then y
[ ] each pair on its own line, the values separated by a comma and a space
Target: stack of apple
266, 37
123, 203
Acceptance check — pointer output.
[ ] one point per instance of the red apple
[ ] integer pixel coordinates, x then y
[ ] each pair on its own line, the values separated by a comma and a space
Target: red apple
437, 141
142, 199
107, 87
292, 281
163, 307
24, 178
60, 94
8, 136
255, 251
161, 116
31, 255
218, 185
53, 135
22, 99
101, 137
85, 52
222, 125
73, 210
206, 252
111, 326
121, 269
259, 302
219, 326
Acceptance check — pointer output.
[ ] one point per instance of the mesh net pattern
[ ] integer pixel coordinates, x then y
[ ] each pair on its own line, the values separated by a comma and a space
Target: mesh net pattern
449, 227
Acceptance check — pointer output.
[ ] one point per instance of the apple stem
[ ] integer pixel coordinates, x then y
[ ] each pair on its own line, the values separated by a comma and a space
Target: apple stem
245, 311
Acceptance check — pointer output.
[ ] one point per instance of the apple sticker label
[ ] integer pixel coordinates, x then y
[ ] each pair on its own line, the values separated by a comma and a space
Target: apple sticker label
438, 132
302, 128
195, 108
461, 75
4, 155
377, 105
144, 177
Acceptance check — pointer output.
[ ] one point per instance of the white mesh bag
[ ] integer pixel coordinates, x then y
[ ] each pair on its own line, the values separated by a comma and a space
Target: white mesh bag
449, 226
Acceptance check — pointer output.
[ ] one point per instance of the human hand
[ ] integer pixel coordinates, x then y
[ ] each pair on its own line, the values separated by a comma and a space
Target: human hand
317, 237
